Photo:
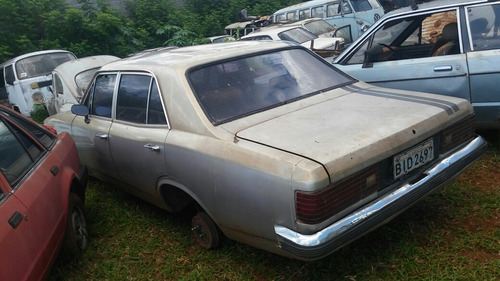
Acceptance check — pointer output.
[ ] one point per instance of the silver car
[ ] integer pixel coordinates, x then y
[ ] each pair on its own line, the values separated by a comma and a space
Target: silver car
271, 144
442, 47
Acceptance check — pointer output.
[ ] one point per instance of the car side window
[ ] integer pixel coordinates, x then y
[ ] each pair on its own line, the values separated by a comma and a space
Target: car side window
138, 100
156, 115
58, 86
484, 27
411, 38
132, 99
18, 152
45, 138
102, 96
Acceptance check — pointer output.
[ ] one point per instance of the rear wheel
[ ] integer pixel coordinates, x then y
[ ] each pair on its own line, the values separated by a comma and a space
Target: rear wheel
76, 238
205, 231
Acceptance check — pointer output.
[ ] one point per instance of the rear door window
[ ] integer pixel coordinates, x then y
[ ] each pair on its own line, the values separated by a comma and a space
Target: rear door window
138, 100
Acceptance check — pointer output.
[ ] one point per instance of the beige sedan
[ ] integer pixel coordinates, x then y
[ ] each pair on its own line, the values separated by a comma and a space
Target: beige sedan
271, 144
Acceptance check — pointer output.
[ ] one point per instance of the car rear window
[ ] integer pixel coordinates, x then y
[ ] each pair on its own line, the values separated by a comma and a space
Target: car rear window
232, 89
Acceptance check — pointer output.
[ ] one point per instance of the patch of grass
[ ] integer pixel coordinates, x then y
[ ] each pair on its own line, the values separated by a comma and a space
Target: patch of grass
454, 234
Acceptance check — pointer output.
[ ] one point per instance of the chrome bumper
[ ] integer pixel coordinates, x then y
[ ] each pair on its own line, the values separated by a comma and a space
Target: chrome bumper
319, 244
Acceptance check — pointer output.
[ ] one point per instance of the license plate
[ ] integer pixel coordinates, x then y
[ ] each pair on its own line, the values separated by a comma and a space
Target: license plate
413, 158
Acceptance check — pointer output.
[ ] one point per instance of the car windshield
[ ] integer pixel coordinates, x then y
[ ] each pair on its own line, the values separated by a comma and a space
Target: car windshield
233, 89
41, 64
319, 27
298, 35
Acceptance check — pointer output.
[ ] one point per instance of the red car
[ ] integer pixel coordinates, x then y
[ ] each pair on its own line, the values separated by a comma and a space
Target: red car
42, 191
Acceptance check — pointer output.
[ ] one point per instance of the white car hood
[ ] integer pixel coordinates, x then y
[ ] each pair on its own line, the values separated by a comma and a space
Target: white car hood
360, 128
323, 43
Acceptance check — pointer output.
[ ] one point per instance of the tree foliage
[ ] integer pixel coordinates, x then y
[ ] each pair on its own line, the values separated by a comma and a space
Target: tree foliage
95, 28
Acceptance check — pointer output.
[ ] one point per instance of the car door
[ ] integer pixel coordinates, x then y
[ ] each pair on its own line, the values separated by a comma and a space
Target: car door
483, 23
18, 239
31, 212
403, 53
91, 133
138, 134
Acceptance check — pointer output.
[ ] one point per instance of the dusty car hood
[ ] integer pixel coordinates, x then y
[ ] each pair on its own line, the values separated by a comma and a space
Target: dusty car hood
358, 129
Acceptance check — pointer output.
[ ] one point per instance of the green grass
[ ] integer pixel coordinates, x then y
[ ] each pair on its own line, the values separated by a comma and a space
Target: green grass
454, 234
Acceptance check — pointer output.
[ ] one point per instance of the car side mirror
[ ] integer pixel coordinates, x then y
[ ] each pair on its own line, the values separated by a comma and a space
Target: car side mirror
371, 54
81, 110
367, 63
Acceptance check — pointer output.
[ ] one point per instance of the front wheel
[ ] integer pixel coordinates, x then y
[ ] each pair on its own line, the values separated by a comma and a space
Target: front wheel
76, 238
205, 231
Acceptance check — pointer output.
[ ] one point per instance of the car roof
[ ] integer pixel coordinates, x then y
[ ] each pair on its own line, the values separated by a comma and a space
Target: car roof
72, 68
434, 4
187, 57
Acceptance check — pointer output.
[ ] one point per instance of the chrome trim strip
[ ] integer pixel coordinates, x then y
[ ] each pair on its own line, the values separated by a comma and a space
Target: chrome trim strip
305, 242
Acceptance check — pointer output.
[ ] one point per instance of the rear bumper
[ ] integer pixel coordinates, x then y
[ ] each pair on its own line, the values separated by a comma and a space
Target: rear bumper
319, 244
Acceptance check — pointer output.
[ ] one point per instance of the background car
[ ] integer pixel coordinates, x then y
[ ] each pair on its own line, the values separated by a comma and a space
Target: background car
268, 142
221, 39
442, 47
322, 28
71, 79
42, 192
325, 46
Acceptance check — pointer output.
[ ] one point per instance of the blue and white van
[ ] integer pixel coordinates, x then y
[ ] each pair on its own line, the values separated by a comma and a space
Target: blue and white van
354, 15
26, 80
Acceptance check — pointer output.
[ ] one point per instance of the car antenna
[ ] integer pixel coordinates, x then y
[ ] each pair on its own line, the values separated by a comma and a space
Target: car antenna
414, 5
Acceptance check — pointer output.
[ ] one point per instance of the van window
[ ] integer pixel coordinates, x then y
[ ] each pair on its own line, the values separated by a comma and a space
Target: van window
9, 75
361, 5
304, 14
332, 10
317, 12
2, 81
290, 16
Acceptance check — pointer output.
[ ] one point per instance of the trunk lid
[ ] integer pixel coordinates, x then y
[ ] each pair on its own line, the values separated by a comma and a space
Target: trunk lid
358, 129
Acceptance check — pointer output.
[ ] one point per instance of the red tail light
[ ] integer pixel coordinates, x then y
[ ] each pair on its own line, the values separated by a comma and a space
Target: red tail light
312, 208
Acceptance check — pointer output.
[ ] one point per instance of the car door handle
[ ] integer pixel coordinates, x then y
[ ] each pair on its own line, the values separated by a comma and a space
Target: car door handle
443, 68
54, 170
152, 147
102, 136
16, 219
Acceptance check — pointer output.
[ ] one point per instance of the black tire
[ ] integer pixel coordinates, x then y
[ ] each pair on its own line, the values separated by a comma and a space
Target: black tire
76, 238
205, 231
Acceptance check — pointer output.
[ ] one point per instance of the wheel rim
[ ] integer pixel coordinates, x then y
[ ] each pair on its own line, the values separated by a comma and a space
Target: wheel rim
79, 227
204, 233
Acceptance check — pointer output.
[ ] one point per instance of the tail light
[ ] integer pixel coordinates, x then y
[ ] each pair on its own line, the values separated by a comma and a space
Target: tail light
458, 133
315, 207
